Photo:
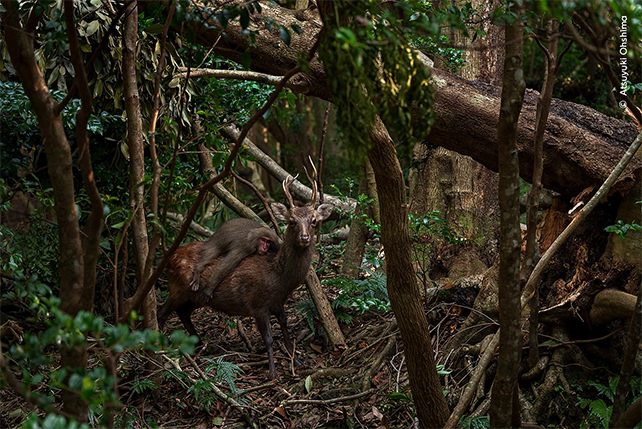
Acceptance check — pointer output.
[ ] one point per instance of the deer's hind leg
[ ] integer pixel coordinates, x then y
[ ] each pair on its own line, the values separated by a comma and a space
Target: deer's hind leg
184, 312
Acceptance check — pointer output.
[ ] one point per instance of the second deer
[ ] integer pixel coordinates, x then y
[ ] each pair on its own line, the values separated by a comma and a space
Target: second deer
260, 284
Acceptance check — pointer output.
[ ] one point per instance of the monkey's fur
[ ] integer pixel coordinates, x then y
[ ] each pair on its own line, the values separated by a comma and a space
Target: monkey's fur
234, 240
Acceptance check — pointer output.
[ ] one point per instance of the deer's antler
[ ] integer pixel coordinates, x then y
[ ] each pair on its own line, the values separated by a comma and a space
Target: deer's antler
313, 181
286, 185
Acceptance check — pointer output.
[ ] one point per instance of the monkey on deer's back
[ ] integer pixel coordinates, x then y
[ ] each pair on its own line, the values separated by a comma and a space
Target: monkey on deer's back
259, 285
235, 240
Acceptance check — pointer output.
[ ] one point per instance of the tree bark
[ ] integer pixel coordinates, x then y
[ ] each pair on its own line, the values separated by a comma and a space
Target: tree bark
72, 288
136, 161
502, 412
581, 145
403, 291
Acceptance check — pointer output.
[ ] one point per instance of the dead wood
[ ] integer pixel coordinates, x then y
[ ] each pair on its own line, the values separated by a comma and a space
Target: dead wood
581, 145
612, 304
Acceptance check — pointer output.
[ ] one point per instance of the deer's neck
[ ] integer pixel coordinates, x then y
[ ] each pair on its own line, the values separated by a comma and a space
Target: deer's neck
293, 263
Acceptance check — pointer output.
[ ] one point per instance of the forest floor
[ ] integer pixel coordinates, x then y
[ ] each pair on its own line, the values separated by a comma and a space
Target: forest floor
326, 390
366, 386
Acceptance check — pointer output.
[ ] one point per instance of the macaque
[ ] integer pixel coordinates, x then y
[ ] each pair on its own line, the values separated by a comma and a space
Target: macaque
232, 242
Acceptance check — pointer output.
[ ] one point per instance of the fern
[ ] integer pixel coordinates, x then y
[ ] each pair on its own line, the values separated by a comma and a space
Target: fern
139, 386
225, 371
608, 391
307, 309
601, 410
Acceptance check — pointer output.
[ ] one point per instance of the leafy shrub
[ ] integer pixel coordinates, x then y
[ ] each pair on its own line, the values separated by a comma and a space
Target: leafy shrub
43, 379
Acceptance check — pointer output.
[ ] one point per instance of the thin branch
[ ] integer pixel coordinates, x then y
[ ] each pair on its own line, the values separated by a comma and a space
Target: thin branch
94, 221
230, 74
324, 132
201, 230
156, 175
564, 51
299, 190
327, 401
541, 117
263, 201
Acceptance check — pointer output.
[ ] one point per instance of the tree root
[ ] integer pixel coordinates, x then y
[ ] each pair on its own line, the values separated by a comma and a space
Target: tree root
537, 370
471, 387
554, 376
367, 377
326, 401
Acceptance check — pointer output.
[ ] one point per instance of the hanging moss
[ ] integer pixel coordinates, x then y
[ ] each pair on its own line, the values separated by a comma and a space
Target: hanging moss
371, 70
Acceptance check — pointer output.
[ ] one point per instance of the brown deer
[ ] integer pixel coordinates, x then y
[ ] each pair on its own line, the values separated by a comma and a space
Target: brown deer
260, 284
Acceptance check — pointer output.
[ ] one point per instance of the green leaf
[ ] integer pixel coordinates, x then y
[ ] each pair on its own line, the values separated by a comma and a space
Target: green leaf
155, 29
308, 384
285, 35
399, 396
244, 18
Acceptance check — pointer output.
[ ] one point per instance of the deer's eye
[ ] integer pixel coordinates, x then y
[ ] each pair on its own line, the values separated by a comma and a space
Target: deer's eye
291, 223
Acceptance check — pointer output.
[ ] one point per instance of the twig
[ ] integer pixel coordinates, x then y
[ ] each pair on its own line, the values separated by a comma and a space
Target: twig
587, 341
326, 118
269, 385
327, 401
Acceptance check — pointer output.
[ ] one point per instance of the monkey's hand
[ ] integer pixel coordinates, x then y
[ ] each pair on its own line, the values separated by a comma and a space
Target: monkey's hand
194, 284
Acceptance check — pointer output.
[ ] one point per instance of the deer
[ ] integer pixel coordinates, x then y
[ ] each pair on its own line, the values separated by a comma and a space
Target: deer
260, 284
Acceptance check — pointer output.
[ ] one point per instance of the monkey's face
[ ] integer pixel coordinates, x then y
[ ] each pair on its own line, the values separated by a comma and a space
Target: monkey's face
267, 245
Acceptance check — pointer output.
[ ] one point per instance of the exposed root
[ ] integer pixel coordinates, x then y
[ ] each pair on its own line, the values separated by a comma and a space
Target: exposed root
554, 377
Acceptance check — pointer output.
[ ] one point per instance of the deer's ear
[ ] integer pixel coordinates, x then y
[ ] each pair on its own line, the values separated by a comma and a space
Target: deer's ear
324, 211
280, 211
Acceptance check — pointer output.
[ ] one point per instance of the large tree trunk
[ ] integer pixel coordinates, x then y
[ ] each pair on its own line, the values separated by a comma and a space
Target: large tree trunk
581, 145
463, 190
72, 293
405, 297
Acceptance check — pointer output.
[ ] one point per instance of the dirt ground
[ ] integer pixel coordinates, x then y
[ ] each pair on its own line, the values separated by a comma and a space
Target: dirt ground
366, 386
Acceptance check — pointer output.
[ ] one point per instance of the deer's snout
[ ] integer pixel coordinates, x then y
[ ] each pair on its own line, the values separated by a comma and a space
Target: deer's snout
304, 239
